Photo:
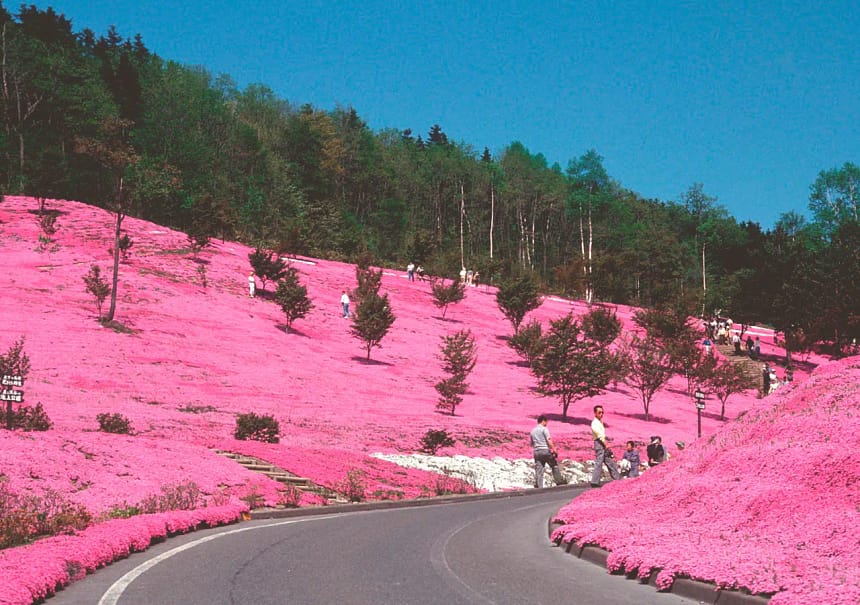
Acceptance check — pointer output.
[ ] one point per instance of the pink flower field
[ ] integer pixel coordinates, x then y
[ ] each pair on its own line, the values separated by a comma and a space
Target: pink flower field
766, 502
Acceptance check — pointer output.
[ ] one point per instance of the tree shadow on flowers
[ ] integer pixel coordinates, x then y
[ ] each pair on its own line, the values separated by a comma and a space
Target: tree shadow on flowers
370, 362
575, 420
652, 418
291, 331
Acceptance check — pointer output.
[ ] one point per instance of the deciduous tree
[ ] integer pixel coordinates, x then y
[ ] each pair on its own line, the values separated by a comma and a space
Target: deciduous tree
650, 368
571, 366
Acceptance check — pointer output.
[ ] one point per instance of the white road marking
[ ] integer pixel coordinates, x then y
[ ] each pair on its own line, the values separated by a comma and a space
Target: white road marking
115, 592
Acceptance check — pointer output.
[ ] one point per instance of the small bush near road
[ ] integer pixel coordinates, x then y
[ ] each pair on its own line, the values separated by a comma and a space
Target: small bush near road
24, 518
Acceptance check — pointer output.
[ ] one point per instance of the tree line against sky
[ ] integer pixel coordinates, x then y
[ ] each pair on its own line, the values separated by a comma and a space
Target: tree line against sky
102, 119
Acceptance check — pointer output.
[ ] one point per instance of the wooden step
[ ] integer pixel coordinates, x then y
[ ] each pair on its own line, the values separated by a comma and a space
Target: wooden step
283, 476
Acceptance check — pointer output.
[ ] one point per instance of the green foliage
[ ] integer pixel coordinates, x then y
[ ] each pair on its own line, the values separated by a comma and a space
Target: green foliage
447, 485
252, 427
725, 380
125, 244
253, 498
528, 341
601, 325
15, 362
97, 286
353, 486
179, 496
121, 127
458, 360
24, 518
369, 281
447, 295
201, 275
290, 496
451, 390
571, 366
114, 423
516, 297
26, 418
650, 367
292, 297
372, 320
434, 439
267, 265
665, 323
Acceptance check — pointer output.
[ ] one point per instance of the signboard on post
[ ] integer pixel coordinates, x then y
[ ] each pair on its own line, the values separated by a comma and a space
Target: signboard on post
12, 381
700, 405
12, 395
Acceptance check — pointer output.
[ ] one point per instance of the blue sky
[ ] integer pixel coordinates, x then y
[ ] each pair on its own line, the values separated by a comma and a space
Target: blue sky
752, 99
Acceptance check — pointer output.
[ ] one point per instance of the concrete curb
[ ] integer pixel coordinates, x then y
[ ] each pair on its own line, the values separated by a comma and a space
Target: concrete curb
334, 509
703, 592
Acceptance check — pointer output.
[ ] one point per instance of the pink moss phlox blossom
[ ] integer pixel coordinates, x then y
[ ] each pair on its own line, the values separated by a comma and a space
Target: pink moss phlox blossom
35, 571
769, 498
764, 505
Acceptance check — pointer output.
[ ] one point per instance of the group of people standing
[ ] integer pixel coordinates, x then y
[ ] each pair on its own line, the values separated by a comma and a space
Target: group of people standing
468, 277
546, 454
412, 271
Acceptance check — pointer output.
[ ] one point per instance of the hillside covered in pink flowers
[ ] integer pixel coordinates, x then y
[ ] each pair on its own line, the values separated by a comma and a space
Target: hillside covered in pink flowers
194, 356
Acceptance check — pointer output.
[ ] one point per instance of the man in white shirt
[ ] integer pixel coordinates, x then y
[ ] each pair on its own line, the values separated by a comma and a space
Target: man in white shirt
344, 301
602, 454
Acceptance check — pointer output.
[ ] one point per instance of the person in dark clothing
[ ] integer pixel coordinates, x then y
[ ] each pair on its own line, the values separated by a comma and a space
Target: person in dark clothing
656, 451
750, 345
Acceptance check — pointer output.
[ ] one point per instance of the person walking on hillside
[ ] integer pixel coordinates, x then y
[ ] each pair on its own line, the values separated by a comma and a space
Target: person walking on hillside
736, 341
602, 454
252, 285
410, 271
544, 452
344, 301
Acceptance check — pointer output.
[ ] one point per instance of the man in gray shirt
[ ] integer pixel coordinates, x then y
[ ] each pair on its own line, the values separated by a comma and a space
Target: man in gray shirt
544, 452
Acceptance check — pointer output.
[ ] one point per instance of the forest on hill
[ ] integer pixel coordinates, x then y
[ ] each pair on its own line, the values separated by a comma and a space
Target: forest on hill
102, 119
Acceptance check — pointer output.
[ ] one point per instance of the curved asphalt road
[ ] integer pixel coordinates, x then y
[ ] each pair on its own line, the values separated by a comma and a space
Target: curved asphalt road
490, 551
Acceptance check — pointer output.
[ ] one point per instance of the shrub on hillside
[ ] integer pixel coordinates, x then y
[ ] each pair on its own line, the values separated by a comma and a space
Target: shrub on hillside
255, 427
353, 486
528, 342
25, 518
97, 286
458, 360
433, 440
267, 265
114, 423
447, 485
447, 295
180, 496
27, 418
